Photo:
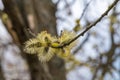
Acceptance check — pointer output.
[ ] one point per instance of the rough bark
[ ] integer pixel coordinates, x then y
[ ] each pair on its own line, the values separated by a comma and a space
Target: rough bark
42, 14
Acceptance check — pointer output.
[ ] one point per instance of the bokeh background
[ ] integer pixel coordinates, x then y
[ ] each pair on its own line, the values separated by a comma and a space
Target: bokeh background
97, 53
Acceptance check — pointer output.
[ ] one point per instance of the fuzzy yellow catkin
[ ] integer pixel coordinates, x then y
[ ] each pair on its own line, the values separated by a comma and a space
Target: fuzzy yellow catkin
64, 38
63, 53
38, 46
45, 46
45, 55
77, 26
67, 36
32, 45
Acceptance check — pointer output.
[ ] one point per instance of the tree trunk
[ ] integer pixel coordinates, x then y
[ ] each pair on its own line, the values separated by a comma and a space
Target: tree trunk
1, 74
38, 15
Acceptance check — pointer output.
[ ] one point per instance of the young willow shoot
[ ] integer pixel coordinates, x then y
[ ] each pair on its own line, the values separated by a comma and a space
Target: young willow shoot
46, 46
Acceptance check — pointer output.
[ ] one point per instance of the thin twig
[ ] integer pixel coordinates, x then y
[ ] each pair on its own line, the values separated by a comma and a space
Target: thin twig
90, 26
30, 32
80, 46
84, 10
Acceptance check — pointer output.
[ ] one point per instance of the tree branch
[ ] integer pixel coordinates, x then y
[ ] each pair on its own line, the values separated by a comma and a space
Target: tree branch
90, 26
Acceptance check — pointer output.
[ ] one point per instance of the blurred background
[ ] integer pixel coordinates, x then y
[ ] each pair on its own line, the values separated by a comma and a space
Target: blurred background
95, 57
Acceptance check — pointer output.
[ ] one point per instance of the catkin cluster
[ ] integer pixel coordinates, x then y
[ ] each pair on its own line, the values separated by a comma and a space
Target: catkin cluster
46, 46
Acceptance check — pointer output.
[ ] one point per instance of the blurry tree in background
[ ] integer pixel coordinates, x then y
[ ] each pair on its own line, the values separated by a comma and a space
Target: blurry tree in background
39, 15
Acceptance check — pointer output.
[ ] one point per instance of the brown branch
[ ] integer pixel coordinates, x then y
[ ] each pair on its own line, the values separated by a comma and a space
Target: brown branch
90, 26
30, 32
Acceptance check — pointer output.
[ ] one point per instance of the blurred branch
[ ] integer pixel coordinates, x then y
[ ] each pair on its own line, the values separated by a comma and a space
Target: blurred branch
95, 72
8, 25
30, 32
1, 73
57, 3
1, 69
109, 55
47, 71
78, 26
81, 45
118, 45
85, 9
67, 6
